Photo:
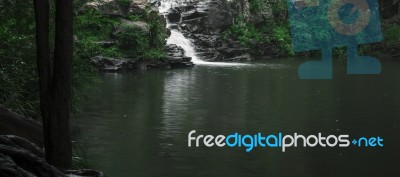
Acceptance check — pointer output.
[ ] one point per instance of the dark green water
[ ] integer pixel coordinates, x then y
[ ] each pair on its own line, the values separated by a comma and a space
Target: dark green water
136, 124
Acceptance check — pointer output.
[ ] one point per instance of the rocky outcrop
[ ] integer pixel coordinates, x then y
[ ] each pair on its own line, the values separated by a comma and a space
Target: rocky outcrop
176, 57
134, 37
21, 158
203, 21
114, 64
118, 8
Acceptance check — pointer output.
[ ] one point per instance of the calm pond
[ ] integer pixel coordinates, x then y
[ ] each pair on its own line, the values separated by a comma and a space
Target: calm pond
136, 124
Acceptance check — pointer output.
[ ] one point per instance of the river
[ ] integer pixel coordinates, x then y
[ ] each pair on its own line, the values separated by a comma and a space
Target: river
136, 124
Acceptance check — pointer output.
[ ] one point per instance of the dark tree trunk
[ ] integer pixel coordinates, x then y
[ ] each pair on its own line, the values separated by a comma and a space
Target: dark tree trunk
55, 80
60, 150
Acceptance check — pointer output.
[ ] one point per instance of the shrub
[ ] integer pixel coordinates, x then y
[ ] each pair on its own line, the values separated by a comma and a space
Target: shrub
154, 54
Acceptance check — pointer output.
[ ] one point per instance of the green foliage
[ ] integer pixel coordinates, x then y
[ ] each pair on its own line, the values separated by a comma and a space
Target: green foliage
124, 2
282, 36
279, 10
18, 81
133, 40
158, 31
257, 38
245, 33
340, 52
392, 34
255, 5
154, 54
93, 25
135, 17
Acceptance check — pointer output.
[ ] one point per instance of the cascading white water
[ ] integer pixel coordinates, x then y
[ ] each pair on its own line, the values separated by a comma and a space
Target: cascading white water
180, 40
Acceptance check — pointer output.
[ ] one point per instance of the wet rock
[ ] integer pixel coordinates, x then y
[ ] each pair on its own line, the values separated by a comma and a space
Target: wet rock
173, 26
114, 64
173, 16
186, 8
193, 15
176, 56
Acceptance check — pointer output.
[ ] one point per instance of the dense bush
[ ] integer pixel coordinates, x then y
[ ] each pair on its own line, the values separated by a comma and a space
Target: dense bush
257, 38
245, 33
18, 81
133, 40
392, 34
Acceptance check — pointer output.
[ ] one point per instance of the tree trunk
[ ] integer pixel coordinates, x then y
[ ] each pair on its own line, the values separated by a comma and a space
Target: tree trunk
55, 80
60, 150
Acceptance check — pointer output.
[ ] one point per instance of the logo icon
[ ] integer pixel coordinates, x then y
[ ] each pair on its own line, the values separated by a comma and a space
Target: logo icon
325, 24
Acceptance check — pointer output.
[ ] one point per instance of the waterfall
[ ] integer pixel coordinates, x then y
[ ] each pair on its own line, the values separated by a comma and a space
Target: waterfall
180, 40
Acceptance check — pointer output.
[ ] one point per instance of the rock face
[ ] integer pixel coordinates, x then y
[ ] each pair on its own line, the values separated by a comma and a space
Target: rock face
118, 8
114, 64
242, 8
202, 22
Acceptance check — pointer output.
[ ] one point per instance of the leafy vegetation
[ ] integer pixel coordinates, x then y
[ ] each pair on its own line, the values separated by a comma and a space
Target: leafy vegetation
259, 37
245, 33
272, 33
18, 76
392, 34
17, 58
